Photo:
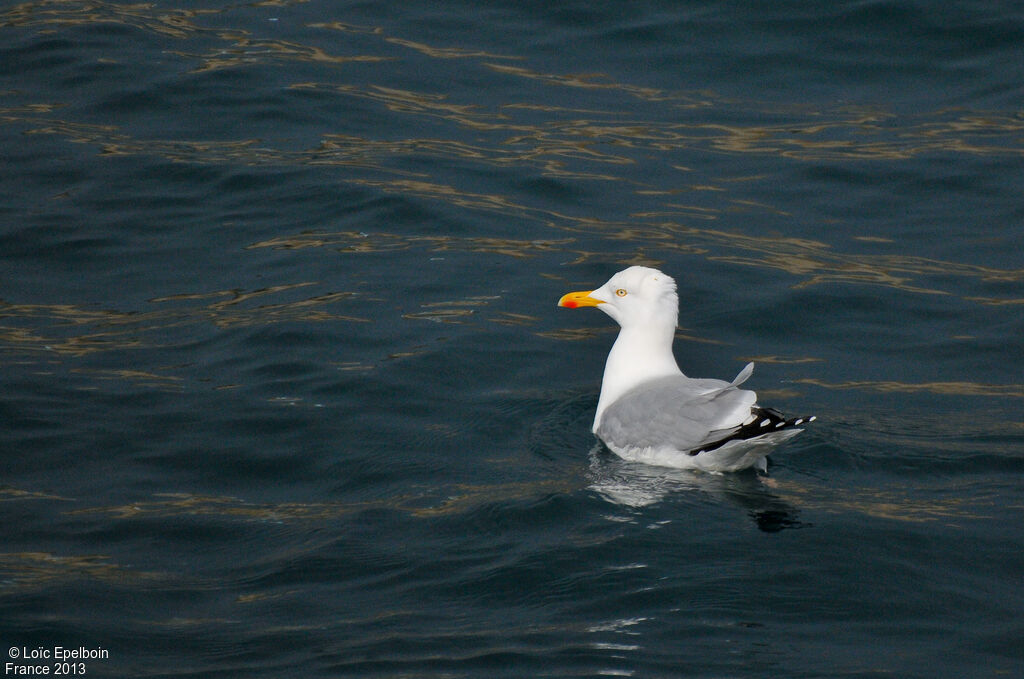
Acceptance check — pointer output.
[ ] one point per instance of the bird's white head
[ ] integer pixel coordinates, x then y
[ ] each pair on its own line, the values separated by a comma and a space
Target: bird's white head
637, 296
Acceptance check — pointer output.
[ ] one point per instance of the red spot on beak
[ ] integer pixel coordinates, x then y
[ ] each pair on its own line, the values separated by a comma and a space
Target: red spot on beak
571, 305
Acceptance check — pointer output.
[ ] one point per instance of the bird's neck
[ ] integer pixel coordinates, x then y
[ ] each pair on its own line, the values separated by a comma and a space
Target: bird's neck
638, 355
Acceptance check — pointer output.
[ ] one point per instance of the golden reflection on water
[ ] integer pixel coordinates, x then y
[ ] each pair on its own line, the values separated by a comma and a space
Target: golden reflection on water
426, 503
584, 144
30, 570
454, 311
595, 81
885, 503
53, 15
357, 241
948, 504
888, 503
598, 141
139, 377
784, 360
843, 133
446, 52
71, 330
946, 388
7, 494
509, 318
245, 51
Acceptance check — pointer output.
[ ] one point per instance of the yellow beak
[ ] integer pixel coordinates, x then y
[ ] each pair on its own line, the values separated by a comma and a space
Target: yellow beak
572, 300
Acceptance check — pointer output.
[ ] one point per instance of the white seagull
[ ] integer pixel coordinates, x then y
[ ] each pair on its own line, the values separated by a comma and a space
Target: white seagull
649, 411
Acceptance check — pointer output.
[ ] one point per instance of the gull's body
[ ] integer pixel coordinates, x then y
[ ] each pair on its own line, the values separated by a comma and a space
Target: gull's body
649, 411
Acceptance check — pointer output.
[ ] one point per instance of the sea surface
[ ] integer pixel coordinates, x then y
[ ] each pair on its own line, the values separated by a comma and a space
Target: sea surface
284, 390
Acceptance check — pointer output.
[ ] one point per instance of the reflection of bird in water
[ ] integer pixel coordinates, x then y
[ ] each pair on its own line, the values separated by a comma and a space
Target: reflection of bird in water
635, 486
649, 411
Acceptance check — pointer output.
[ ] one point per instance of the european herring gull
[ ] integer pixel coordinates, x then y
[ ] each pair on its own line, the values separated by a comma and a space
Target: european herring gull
649, 411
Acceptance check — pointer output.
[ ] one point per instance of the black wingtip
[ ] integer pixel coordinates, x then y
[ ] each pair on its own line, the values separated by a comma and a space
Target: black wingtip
779, 421
761, 421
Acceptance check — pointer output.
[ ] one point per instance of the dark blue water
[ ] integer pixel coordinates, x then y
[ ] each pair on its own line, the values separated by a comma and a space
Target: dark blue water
285, 392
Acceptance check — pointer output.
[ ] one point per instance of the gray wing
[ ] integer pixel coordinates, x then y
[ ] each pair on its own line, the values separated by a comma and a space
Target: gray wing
677, 412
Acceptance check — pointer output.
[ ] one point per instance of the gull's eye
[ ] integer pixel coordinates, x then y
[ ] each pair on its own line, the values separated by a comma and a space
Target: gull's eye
621, 292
